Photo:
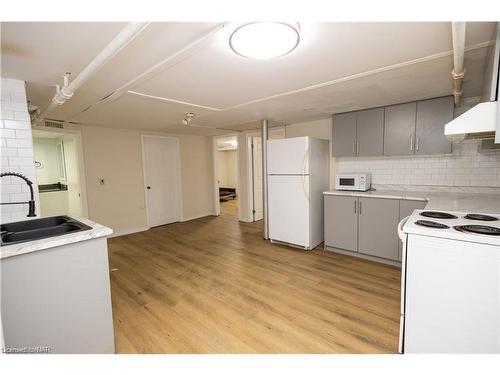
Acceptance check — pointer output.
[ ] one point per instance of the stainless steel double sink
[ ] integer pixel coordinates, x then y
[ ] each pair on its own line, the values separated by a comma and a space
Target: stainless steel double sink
30, 230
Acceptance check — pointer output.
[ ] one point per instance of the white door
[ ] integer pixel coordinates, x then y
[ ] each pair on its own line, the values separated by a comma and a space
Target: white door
258, 204
72, 178
162, 179
289, 209
288, 156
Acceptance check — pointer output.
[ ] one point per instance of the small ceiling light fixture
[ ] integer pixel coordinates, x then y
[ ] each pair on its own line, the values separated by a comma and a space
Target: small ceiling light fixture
265, 40
188, 117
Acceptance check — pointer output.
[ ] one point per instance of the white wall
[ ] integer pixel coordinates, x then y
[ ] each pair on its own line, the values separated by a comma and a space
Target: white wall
227, 166
16, 150
115, 155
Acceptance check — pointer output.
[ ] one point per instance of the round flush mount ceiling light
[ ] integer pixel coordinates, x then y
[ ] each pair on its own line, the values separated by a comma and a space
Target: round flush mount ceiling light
264, 40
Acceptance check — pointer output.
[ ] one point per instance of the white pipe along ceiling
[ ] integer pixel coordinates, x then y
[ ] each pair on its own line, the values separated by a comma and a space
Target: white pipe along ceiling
458, 72
127, 34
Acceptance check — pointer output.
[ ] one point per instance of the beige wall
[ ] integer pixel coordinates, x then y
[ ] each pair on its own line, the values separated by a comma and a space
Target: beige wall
227, 167
115, 155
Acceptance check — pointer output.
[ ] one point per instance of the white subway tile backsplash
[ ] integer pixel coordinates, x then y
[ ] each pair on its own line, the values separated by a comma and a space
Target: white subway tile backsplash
7, 133
16, 149
464, 167
12, 124
23, 134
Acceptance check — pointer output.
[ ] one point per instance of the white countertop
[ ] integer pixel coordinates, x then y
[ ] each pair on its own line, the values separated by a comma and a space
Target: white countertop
442, 201
97, 231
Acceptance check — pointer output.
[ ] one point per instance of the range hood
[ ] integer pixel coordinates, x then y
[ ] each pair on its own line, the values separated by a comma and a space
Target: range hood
483, 120
478, 122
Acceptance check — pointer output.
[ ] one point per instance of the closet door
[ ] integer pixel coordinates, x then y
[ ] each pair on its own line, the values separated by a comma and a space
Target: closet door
162, 179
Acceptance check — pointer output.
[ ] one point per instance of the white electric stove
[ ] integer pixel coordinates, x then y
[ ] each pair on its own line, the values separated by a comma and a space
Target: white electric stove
450, 288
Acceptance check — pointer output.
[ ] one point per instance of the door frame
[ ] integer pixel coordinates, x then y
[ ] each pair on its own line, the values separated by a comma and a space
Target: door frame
179, 182
251, 193
215, 161
81, 162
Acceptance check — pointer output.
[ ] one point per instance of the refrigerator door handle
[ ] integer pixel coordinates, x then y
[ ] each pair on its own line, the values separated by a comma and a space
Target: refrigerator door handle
304, 165
305, 161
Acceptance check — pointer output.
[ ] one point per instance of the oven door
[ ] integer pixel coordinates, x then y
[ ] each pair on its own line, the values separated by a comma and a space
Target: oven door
403, 237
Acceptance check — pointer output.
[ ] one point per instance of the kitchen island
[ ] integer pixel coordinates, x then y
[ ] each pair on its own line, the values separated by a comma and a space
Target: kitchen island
56, 294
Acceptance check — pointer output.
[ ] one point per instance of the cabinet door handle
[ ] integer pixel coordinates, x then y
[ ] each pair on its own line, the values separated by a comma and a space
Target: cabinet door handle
357, 148
411, 142
354, 206
417, 144
360, 207
354, 148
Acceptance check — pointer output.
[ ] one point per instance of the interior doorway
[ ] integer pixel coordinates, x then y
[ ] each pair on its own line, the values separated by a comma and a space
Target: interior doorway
162, 181
227, 176
256, 180
59, 171
254, 167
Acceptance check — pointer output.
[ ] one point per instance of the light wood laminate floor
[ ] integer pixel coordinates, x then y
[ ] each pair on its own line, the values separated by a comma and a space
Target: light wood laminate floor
213, 285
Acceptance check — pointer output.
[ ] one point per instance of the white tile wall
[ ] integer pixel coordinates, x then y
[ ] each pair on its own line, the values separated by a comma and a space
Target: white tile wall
464, 167
16, 150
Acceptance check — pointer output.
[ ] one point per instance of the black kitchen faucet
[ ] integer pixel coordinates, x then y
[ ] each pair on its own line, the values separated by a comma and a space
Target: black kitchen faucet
31, 202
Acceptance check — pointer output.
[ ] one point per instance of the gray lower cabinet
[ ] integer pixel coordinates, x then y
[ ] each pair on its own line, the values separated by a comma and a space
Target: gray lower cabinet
378, 221
370, 132
432, 116
366, 225
344, 134
406, 208
399, 131
341, 222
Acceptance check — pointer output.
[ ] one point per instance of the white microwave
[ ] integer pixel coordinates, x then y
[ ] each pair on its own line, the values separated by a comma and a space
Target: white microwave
353, 181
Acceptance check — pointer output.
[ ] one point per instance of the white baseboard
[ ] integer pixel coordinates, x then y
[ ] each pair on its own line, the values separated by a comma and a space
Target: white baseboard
124, 232
196, 216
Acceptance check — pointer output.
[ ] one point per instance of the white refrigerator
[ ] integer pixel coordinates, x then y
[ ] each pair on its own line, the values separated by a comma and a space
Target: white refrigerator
298, 174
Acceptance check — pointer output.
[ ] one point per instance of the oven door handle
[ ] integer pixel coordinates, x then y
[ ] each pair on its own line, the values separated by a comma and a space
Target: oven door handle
401, 235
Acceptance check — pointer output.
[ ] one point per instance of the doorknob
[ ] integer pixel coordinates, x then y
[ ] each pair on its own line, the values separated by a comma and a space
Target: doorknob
148, 187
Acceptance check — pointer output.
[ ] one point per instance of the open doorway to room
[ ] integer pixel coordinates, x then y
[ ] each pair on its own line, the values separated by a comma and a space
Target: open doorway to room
254, 168
59, 171
227, 175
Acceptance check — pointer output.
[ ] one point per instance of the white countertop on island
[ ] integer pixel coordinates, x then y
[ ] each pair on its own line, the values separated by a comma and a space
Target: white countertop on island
441, 201
97, 231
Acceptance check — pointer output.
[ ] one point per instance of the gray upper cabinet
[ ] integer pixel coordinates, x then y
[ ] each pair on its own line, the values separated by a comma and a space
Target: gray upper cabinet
344, 134
403, 129
370, 132
399, 131
378, 220
432, 115
341, 222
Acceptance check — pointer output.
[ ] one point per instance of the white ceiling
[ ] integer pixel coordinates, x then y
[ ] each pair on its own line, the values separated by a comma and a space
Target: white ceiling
336, 67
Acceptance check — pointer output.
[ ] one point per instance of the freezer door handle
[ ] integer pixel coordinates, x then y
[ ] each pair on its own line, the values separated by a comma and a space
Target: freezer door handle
305, 185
